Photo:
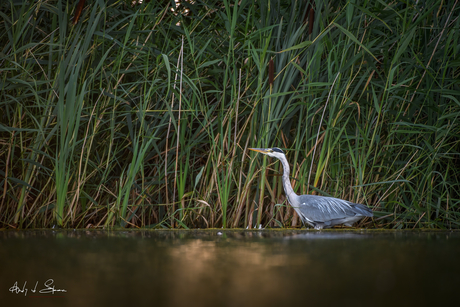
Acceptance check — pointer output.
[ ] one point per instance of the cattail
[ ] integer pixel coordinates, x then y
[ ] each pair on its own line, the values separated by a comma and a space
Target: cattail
78, 11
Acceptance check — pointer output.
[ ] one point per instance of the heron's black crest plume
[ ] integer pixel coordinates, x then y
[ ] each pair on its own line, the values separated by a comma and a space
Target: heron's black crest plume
276, 149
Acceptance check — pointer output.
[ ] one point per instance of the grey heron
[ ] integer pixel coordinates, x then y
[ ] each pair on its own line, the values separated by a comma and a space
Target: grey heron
317, 211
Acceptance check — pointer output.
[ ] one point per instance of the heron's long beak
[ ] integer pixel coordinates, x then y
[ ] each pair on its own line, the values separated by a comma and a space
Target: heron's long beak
262, 150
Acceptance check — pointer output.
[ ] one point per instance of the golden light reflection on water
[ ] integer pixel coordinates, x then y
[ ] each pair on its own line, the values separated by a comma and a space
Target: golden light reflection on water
219, 270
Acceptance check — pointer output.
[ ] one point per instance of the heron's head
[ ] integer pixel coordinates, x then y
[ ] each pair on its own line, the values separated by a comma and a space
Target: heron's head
272, 152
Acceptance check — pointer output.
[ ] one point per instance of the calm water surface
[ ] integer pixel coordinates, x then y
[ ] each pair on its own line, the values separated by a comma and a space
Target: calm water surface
229, 268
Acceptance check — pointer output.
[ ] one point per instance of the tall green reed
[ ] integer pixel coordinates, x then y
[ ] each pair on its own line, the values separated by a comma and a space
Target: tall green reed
140, 116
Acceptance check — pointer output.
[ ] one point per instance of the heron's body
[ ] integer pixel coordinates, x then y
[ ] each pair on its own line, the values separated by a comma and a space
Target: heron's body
317, 211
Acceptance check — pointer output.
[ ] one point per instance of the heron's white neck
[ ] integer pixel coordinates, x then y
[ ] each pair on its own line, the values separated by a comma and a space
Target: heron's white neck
290, 194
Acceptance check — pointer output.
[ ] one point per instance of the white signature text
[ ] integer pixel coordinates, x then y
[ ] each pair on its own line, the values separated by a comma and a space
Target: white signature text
47, 289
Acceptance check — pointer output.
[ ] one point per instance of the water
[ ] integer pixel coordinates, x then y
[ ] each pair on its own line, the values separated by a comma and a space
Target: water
229, 268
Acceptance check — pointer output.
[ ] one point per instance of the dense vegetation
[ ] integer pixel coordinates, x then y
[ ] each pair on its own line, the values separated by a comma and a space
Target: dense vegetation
140, 115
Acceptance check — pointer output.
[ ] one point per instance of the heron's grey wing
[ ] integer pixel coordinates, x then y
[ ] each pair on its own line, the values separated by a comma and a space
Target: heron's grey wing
323, 209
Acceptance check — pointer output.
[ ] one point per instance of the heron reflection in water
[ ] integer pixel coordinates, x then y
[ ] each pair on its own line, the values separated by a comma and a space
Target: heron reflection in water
318, 211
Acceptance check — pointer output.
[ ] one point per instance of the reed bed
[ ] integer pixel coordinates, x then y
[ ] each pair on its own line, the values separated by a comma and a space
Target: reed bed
127, 114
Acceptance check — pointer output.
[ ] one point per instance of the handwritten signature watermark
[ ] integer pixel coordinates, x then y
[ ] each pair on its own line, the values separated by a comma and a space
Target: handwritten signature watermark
48, 289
